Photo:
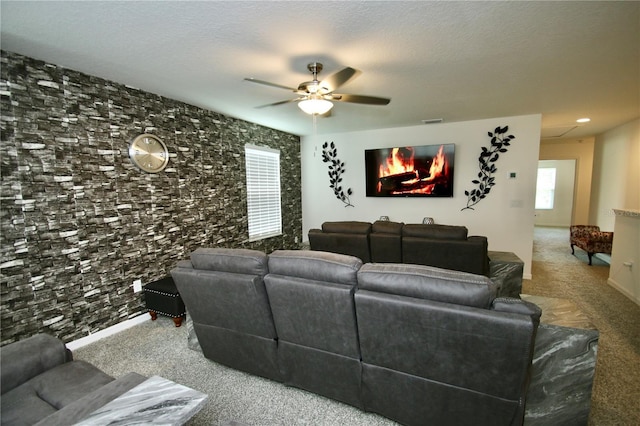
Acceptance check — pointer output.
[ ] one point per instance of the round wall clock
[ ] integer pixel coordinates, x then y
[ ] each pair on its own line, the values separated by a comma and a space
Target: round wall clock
149, 153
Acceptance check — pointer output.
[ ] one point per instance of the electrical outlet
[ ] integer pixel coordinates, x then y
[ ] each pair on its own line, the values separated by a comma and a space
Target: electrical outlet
137, 286
296, 239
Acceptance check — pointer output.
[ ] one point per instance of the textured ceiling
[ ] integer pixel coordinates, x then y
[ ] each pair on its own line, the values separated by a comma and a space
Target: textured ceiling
451, 60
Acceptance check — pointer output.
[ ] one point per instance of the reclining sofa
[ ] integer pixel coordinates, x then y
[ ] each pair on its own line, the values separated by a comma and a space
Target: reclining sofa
43, 385
417, 344
443, 246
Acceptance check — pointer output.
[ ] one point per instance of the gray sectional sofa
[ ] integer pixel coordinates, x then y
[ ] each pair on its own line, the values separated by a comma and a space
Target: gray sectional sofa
443, 246
43, 385
417, 344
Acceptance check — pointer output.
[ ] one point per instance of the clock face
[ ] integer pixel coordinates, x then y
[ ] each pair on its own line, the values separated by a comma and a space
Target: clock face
149, 153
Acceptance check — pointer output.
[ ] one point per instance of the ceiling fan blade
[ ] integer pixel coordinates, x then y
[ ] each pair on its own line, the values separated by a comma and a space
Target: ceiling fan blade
360, 99
266, 83
339, 78
278, 103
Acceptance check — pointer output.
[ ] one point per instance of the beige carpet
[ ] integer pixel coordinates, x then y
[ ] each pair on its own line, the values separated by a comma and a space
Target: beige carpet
160, 348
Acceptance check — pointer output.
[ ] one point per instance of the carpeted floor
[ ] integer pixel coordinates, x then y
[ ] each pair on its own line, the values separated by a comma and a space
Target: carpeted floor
158, 348
556, 273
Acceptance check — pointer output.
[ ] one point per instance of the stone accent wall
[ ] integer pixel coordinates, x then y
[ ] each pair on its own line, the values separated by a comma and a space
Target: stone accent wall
79, 222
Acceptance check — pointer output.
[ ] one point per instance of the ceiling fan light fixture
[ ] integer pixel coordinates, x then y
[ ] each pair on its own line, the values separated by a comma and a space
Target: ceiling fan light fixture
315, 106
316, 97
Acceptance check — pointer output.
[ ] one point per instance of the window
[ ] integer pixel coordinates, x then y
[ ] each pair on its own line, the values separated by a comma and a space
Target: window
263, 192
545, 188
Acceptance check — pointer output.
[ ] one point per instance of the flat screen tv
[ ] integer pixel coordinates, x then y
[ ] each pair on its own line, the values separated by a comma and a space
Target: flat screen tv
410, 171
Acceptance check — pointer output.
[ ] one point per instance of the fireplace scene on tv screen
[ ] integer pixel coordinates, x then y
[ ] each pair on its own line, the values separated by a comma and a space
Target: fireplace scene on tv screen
410, 171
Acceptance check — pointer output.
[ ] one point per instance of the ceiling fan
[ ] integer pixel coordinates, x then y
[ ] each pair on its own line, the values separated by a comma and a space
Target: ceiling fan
315, 97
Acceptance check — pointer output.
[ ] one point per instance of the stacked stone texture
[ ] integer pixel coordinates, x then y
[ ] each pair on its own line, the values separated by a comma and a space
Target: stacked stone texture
79, 222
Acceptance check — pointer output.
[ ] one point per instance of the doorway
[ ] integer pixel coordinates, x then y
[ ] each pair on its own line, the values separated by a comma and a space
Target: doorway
555, 193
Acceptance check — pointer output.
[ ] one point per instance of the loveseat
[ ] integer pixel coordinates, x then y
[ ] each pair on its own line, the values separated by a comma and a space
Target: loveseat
414, 343
42, 384
590, 239
443, 246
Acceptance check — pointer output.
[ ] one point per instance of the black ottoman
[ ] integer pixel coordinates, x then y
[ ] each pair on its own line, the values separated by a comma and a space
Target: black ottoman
162, 297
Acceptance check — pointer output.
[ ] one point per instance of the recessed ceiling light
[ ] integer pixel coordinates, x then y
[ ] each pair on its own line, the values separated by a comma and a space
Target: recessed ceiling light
583, 120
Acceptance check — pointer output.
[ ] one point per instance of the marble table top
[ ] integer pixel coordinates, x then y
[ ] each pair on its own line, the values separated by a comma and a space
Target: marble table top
563, 365
155, 401
562, 312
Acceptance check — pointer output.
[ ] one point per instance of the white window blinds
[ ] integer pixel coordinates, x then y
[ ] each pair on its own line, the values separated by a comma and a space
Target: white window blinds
263, 192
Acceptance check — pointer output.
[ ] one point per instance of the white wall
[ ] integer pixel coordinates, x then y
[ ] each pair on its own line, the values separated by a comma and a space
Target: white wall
616, 174
562, 211
624, 272
580, 150
505, 217
616, 178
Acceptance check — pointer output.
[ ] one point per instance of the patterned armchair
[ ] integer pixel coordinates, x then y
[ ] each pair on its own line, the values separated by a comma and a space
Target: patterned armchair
590, 239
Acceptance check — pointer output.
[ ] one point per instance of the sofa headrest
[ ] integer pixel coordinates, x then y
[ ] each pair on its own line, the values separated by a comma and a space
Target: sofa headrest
387, 227
315, 265
240, 261
349, 227
438, 232
427, 282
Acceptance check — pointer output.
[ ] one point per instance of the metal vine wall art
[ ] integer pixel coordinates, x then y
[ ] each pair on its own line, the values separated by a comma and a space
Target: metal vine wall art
487, 163
336, 169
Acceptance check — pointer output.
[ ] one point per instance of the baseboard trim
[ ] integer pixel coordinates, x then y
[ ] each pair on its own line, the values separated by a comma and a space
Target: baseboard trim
91, 338
604, 257
623, 290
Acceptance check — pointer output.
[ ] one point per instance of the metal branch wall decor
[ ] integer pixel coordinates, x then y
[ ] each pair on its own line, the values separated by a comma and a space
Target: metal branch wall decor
336, 168
487, 163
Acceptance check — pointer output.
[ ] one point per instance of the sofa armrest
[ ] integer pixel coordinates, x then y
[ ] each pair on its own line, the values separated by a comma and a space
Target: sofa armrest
315, 231
25, 359
184, 264
80, 409
517, 306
